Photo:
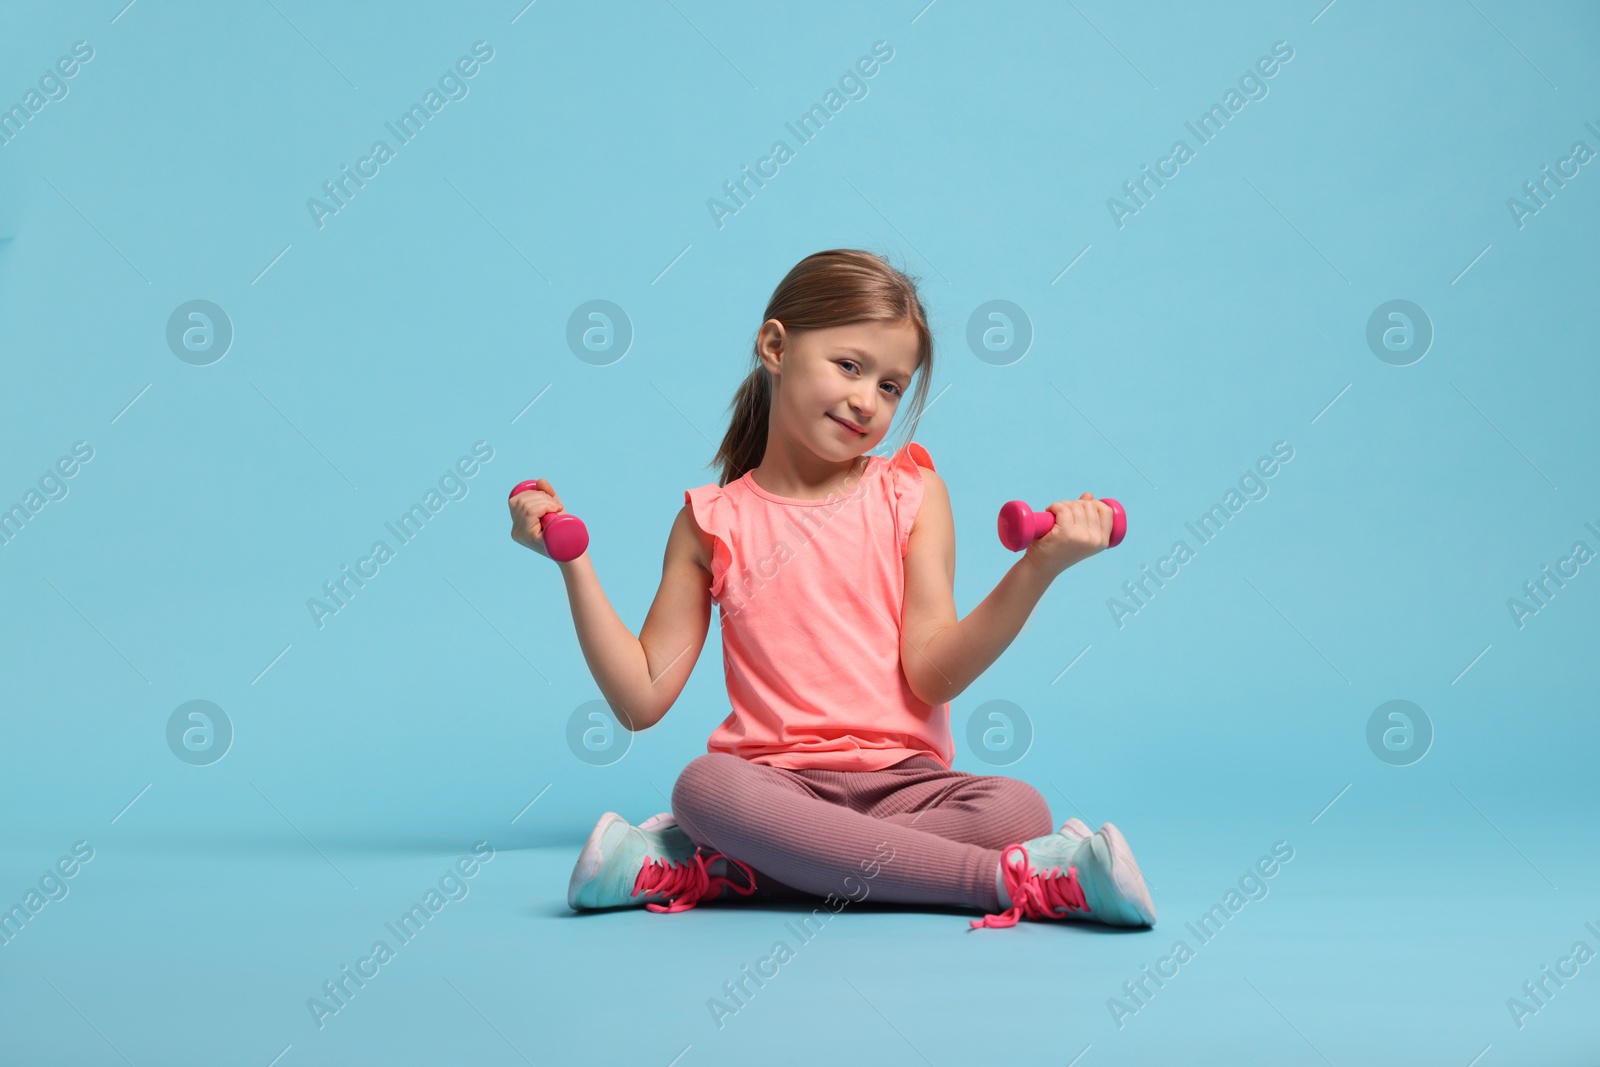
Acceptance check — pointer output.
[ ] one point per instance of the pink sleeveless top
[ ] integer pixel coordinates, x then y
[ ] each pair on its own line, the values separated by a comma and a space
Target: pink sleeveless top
810, 593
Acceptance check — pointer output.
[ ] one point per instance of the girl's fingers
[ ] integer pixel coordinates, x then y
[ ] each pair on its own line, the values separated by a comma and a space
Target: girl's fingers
534, 497
1086, 512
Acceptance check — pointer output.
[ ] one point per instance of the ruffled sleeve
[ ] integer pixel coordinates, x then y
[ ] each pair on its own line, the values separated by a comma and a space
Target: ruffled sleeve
710, 509
907, 482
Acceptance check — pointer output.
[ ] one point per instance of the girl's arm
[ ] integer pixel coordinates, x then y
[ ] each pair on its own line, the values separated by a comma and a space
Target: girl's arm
642, 676
942, 655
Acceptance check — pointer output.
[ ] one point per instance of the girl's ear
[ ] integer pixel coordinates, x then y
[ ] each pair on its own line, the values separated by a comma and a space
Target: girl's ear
771, 344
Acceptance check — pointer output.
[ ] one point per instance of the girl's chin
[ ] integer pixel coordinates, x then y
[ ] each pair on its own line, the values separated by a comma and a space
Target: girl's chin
841, 451
836, 455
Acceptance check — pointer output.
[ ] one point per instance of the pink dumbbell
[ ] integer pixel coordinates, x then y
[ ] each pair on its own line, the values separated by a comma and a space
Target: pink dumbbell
1020, 525
565, 536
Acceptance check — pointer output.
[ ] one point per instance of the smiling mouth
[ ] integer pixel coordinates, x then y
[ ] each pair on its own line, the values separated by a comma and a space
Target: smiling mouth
853, 429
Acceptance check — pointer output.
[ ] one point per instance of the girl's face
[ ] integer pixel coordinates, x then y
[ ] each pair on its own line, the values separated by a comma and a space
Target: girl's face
836, 390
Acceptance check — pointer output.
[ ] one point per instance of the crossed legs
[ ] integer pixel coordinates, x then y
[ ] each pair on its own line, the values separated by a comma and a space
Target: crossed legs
913, 833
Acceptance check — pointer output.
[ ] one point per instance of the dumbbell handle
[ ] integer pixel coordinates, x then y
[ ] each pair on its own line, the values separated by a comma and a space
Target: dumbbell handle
565, 536
1020, 525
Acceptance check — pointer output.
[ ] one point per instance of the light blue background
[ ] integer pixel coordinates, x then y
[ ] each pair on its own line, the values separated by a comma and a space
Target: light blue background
1227, 315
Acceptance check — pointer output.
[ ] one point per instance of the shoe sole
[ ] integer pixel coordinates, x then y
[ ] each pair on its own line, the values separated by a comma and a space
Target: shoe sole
589, 860
1126, 876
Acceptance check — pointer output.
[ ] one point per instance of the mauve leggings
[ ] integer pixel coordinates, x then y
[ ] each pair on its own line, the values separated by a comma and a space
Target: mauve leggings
913, 833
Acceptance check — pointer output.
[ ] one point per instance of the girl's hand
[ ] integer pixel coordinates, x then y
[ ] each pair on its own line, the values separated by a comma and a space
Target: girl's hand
1082, 528
527, 514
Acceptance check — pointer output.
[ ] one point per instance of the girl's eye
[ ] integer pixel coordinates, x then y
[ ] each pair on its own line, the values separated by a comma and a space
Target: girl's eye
850, 363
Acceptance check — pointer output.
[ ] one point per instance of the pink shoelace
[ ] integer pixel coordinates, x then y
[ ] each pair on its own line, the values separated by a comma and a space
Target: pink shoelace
1035, 894
687, 884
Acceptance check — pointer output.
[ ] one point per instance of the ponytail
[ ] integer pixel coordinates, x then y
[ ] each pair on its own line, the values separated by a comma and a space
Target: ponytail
746, 440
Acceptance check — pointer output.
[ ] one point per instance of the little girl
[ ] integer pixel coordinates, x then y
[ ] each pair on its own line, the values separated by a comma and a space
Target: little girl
833, 572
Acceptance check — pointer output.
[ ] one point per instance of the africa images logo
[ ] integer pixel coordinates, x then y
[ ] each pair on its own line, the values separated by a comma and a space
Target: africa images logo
452, 85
